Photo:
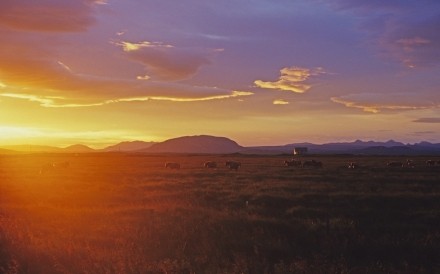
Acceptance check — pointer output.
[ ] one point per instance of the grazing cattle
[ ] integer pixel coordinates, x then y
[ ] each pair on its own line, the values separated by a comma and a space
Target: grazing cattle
292, 162
353, 165
410, 164
49, 167
172, 165
210, 164
430, 163
312, 163
233, 165
395, 164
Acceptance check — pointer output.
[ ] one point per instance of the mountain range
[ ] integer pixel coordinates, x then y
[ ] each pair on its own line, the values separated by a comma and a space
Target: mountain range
222, 145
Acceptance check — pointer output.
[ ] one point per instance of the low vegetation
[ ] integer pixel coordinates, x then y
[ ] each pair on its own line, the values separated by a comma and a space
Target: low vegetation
127, 213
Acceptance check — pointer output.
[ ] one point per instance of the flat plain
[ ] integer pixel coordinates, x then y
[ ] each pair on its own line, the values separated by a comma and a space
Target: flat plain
127, 213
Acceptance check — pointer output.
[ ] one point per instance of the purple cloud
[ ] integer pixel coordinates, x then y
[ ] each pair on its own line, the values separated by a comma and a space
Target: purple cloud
168, 62
48, 15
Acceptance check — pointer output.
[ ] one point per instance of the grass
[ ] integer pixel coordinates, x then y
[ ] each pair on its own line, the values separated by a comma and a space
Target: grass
126, 213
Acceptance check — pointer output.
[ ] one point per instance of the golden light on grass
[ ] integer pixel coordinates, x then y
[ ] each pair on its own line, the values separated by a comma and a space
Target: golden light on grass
127, 213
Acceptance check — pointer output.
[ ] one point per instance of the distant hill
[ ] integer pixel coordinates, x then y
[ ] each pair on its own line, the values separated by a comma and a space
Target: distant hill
390, 147
196, 144
78, 149
223, 145
129, 146
425, 148
382, 150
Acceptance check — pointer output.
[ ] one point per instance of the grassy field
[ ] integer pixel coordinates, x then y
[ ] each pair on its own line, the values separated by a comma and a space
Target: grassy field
126, 213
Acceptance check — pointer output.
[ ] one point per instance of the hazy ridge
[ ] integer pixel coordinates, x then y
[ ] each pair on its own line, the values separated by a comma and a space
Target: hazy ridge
222, 145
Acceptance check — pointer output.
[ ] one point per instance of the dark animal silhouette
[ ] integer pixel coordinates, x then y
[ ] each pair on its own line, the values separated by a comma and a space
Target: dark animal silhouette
210, 164
172, 165
233, 165
395, 164
292, 162
312, 163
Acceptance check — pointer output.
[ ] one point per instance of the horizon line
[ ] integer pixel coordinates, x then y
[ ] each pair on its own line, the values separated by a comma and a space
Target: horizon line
93, 147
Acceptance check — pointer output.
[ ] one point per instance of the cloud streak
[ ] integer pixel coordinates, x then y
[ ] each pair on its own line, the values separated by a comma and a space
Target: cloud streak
59, 102
429, 120
377, 102
292, 79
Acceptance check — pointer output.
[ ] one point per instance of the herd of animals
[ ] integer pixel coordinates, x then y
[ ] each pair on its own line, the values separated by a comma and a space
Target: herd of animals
235, 165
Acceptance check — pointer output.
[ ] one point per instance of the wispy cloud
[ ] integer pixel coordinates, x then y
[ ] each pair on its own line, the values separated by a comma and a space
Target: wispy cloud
428, 132
60, 102
292, 79
47, 101
377, 102
234, 94
430, 120
44, 101
128, 46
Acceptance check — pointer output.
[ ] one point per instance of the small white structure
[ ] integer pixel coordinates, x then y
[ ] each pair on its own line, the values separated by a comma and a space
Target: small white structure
299, 151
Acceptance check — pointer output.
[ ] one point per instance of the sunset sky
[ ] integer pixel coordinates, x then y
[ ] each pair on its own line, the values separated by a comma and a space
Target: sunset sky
261, 72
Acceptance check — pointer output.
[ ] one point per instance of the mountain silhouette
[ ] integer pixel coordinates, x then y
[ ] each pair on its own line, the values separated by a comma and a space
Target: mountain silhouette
196, 144
78, 149
222, 145
129, 146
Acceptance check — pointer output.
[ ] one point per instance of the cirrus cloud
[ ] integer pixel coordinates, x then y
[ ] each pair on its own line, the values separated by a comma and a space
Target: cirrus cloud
61, 102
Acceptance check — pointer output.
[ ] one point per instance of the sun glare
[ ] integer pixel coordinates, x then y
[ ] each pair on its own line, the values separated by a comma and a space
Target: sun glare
9, 132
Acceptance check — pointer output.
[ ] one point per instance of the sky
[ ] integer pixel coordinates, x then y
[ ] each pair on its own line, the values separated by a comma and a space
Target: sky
261, 72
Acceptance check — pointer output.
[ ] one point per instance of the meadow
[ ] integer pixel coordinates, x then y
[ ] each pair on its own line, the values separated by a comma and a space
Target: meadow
127, 213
